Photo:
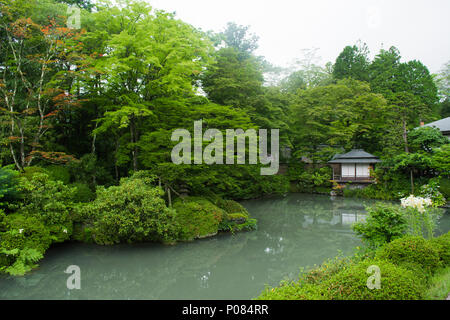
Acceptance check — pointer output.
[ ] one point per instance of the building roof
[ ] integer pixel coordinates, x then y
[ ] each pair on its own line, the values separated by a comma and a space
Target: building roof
355, 156
443, 124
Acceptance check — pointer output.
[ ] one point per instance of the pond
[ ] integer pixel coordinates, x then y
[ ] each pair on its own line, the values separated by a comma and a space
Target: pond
294, 231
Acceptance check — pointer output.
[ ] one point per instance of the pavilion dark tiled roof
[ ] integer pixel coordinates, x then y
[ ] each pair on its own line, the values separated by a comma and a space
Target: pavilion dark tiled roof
355, 156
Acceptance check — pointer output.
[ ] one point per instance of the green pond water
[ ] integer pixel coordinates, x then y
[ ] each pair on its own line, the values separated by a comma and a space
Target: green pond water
294, 231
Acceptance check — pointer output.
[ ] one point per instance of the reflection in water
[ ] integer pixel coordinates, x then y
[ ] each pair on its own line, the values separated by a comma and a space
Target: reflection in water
293, 232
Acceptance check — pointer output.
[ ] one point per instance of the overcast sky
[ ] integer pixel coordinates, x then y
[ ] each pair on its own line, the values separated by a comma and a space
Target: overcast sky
418, 28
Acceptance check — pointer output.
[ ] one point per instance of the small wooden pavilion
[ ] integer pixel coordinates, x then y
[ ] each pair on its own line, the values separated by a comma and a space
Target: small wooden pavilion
353, 166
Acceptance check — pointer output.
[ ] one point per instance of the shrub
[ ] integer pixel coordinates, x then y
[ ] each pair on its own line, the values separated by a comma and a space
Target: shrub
8, 186
347, 280
383, 224
197, 217
442, 245
131, 212
22, 243
29, 172
432, 191
326, 270
290, 290
49, 201
311, 179
231, 207
411, 251
397, 283
59, 173
83, 193
445, 187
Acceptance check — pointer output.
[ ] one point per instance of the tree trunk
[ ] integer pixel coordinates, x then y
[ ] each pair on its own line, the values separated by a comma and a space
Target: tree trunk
133, 141
405, 136
169, 196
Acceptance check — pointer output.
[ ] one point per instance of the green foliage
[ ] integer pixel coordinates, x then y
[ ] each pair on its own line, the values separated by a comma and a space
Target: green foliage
23, 241
134, 211
442, 245
226, 181
422, 223
439, 285
25, 261
445, 187
310, 179
397, 283
290, 290
432, 191
197, 218
352, 62
50, 201
58, 173
232, 207
425, 139
346, 279
29, 172
346, 114
383, 224
412, 251
83, 193
8, 186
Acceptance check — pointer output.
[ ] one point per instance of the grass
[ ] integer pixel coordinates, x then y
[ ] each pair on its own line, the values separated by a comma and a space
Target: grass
439, 288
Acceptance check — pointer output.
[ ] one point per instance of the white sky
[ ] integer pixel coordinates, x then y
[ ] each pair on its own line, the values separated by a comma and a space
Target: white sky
418, 28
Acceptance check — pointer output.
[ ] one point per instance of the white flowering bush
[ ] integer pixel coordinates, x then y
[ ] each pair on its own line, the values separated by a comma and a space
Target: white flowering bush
418, 203
421, 216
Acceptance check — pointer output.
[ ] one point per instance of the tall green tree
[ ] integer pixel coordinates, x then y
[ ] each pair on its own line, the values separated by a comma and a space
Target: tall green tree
353, 62
150, 65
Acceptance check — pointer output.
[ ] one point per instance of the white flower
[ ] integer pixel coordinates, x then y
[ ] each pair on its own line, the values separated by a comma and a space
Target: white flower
20, 230
65, 230
416, 202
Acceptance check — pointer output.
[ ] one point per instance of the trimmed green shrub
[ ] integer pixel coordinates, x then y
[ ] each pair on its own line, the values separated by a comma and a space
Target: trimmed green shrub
383, 224
347, 280
134, 211
290, 290
397, 283
197, 217
412, 251
442, 245
232, 207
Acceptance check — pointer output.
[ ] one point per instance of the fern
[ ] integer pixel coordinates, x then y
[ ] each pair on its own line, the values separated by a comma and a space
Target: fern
25, 262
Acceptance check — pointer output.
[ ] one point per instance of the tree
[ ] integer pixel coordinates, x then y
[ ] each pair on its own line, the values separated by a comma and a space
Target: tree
353, 62
425, 139
343, 115
84, 4
37, 62
149, 67
238, 37
236, 79
410, 91
443, 83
